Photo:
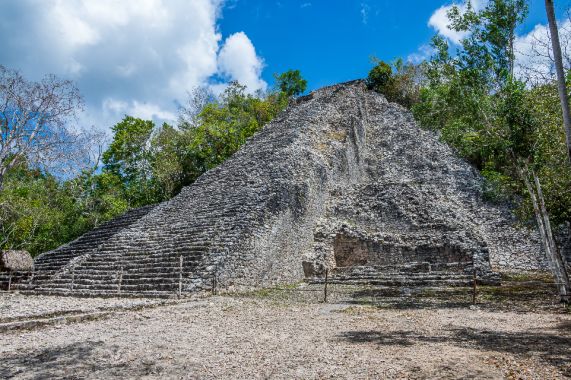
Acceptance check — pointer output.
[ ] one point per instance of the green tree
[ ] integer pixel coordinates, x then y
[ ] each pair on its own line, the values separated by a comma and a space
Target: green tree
167, 168
379, 77
127, 154
128, 157
291, 83
492, 119
400, 86
488, 51
37, 212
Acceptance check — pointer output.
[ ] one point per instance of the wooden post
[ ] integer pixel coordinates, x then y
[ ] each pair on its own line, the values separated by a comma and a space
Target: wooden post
9, 280
325, 288
214, 285
474, 280
120, 281
180, 276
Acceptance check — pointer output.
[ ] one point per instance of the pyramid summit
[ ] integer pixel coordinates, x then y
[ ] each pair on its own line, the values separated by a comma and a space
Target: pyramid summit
342, 181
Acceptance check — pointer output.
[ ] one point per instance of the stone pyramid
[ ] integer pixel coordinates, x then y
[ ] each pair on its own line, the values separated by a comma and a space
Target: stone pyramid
342, 180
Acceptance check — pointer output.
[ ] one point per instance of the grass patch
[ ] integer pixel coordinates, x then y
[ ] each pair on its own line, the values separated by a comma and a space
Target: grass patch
527, 276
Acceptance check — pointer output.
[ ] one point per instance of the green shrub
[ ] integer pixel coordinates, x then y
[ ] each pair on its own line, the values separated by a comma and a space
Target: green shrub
398, 86
379, 77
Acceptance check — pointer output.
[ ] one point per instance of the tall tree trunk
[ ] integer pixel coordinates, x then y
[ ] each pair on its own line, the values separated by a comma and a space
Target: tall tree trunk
511, 53
561, 86
558, 255
550, 249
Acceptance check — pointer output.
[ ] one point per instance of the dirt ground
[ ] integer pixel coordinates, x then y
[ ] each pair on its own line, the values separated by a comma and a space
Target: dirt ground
269, 335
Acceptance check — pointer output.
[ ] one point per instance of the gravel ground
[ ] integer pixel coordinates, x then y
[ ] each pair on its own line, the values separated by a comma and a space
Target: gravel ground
15, 307
258, 337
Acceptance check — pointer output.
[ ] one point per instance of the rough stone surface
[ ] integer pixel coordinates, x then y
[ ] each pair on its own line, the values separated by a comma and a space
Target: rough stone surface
340, 179
563, 238
16, 261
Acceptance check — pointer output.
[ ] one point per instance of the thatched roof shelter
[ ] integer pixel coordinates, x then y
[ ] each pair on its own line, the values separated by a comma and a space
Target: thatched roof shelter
18, 261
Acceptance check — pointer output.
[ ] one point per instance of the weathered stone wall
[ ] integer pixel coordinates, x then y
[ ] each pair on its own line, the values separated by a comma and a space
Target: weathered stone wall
562, 236
340, 162
351, 251
412, 192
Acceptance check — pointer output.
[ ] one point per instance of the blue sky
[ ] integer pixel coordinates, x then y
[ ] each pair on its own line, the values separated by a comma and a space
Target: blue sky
331, 41
140, 57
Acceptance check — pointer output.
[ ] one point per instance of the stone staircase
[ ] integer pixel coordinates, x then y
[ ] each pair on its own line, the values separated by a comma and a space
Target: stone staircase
139, 253
140, 273
55, 271
12, 280
410, 275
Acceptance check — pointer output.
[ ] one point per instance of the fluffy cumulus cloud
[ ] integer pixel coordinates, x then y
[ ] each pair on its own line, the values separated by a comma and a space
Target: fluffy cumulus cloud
136, 57
238, 60
439, 20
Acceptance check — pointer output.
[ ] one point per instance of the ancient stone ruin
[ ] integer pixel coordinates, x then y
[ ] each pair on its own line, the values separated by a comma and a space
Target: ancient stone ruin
15, 266
341, 180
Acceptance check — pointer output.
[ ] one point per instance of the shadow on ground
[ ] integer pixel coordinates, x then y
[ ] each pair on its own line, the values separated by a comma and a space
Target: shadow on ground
72, 361
552, 348
522, 292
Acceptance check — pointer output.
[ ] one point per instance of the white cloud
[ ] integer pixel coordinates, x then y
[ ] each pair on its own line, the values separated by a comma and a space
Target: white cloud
533, 52
304, 5
149, 111
440, 22
365, 8
238, 61
114, 106
134, 56
423, 53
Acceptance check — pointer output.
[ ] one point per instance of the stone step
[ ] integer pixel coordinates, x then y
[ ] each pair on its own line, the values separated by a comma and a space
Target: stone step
173, 257
408, 268
139, 277
430, 276
102, 293
103, 256
133, 272
397, 282
13, 279
78, 287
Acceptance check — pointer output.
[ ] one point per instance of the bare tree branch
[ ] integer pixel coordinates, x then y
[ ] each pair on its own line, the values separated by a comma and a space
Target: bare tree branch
35, 122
